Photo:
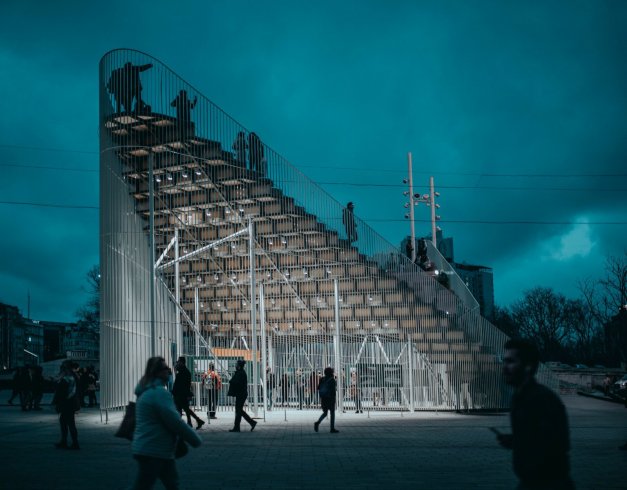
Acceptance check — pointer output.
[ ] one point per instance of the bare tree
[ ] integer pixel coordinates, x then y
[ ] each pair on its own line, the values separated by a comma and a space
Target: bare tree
89, 313
607, 296
547, 318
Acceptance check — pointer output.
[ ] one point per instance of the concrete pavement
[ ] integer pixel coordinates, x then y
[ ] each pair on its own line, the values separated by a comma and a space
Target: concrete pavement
376, 450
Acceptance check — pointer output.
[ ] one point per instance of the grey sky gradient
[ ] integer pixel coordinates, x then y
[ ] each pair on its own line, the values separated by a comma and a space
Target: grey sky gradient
343, 90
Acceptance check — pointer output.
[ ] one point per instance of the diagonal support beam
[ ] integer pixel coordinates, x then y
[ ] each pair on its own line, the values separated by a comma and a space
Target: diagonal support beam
387, 359
243, 231
165, 252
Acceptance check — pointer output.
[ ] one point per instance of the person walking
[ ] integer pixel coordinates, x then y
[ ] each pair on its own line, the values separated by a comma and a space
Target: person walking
158, 429
67, 403
238, 387
182, 392
213, 384
37, 387
270, 382
540, 438
326, 389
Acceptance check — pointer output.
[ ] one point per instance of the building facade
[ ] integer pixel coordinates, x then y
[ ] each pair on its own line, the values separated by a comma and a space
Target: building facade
21, 339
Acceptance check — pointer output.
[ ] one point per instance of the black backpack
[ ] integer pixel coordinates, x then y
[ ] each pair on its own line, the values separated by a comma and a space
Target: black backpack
326, 388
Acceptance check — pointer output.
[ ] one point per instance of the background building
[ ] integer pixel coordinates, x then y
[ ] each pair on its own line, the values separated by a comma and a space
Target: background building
21, 339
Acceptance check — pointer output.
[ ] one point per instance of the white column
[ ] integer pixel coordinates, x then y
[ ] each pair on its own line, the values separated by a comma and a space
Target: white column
264, 359
337, 347
253, 311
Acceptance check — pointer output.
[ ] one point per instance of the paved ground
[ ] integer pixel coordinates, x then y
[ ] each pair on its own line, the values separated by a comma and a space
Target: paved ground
420, 451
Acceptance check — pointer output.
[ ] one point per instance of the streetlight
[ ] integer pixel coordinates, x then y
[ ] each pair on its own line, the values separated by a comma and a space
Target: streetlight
429, 200
414, 200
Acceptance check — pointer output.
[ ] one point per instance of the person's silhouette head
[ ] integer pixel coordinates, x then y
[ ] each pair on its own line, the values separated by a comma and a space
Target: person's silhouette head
520, 362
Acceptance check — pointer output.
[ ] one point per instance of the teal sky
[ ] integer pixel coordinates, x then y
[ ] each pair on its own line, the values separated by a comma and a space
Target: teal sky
517, 108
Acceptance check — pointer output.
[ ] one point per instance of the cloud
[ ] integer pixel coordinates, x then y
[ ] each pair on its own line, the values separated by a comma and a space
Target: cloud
577, 243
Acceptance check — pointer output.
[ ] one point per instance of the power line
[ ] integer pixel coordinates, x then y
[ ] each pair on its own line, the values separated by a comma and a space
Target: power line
48, 167
373, 220
58, 150
362, 184
49, 205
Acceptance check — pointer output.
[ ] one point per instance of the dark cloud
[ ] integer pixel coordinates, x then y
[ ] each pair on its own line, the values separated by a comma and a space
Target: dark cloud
470, 88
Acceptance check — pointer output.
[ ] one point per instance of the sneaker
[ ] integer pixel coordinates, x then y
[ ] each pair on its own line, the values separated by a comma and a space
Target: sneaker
234, 430
74, 446
253, 425
334, 431
199, 424
316, 425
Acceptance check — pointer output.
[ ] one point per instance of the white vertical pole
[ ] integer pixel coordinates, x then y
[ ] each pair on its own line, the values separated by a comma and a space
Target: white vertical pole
264, 360
192, 368
410, 362
338, 346
151, 192
253, 311
432, 204
412, 224
177, 285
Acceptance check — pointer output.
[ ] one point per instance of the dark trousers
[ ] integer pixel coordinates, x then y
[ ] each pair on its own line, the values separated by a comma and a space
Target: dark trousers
182, 404
91, 396
212, 401
67, 422
150, 469
239, 412
324, 414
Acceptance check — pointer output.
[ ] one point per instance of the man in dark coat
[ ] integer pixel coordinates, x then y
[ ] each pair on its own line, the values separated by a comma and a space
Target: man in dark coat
238, 387
182, 391
326, 389
539, 439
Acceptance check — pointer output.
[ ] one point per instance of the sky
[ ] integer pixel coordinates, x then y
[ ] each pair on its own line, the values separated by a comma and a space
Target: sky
516, 108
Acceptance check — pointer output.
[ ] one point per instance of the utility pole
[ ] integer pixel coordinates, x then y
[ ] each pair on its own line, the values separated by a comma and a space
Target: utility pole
434, 217
412, 224
414, 200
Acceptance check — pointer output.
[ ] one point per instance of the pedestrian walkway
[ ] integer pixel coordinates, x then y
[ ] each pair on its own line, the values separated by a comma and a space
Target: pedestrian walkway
376, 450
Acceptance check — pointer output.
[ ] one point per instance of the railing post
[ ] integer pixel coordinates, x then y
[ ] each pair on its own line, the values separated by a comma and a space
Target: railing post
151, 192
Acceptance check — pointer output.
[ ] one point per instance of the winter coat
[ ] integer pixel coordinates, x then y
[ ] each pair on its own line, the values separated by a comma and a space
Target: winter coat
158, 424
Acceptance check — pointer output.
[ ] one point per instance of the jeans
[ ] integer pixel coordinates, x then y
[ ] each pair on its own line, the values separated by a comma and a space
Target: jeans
152, 468
332, 416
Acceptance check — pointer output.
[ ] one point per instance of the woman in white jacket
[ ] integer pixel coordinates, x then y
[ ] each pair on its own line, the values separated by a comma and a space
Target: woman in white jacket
158, 425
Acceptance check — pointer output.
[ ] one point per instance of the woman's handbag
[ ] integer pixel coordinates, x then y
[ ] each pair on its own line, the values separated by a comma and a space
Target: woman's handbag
127, 427
181, 448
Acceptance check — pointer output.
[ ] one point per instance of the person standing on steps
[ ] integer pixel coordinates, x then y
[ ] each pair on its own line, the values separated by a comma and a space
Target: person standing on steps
327, 388
349, 223
238, 388
240, 146
184, 108
182, 391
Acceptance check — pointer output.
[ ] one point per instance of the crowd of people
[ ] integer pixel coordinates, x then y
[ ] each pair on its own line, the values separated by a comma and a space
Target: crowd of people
539, 440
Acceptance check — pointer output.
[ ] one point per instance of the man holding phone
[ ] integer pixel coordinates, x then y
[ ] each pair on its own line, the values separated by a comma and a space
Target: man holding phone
539, 439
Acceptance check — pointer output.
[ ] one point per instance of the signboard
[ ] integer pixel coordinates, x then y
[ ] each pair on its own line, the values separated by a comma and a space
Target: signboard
380, 375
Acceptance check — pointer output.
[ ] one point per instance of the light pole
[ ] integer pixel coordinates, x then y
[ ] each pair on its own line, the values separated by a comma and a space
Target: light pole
414, 200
